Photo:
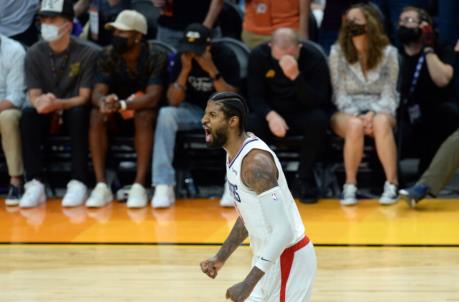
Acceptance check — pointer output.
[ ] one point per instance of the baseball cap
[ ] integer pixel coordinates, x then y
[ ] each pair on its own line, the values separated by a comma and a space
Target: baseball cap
129, 20
53, 8
195, 39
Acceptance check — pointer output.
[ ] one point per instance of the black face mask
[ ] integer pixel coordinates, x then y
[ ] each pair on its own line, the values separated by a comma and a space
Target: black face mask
120, 44
356, 29
408, 35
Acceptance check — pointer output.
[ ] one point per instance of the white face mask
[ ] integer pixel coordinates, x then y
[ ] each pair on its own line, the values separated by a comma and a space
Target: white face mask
51, 32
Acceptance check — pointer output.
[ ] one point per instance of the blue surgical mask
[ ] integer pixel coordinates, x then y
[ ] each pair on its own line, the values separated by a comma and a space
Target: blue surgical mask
50, 32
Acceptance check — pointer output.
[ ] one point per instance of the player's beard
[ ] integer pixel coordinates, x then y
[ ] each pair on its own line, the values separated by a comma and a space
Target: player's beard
219, 139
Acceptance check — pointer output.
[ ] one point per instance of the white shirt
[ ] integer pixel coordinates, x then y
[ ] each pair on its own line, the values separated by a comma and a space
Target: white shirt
354, 94
248, 205
12, 84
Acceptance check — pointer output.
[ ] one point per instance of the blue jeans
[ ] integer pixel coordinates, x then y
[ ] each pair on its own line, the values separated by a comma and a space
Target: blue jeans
171, 120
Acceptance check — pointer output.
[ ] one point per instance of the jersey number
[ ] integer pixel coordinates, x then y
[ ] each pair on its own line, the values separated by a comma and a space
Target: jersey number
233, 190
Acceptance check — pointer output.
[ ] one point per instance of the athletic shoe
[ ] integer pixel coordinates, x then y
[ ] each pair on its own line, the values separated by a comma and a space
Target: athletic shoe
14, 195
137, 197
414, 194
164, 196
76, 194
389, 196
227, 201
100, 196
34, 194
349, 192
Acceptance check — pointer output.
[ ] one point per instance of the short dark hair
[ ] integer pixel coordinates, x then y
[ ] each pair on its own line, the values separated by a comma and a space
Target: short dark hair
233, 104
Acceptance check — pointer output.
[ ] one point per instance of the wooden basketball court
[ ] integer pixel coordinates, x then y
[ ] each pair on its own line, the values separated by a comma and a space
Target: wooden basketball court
365, 253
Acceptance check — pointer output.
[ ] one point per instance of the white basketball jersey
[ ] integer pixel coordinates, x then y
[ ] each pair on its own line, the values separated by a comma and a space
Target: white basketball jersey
247, 203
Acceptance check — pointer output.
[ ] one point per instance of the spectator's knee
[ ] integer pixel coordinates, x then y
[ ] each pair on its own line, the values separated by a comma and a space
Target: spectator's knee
9, 118
168, 117
383, 123
354, 129
144, 119
96, 118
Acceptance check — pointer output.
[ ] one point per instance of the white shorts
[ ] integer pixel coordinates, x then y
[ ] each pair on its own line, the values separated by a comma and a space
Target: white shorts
290, 279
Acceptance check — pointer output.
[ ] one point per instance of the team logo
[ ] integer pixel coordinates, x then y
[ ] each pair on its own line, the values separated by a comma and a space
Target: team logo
234, 171
192, 36
274, 196
270, 74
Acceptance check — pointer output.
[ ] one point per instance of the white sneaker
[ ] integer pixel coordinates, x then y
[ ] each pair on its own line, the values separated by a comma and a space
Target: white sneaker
34, 194
227, 201
389, 196
349, 191
137, 197
100, 196
164, 196
76, 194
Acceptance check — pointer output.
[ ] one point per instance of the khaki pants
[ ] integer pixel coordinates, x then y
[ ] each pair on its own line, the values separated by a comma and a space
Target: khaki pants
444, 165
11, 140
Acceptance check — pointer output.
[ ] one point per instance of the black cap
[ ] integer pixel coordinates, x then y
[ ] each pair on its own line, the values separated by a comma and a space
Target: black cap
53, 8
195, 39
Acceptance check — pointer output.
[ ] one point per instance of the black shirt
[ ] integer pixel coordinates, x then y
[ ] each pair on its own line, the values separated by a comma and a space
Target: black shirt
426, 92
62, 74
199, 85
269, 89
184, 13
113, 71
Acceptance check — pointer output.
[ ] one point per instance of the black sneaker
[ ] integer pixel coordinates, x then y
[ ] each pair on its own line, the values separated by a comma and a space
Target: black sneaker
14, 195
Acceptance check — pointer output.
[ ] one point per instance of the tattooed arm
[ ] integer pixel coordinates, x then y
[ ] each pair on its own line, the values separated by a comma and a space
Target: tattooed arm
211, 266
259, 173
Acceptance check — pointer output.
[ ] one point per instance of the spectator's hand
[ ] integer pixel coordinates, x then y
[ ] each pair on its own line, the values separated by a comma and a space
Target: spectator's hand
367, 120
159, 3
211, 266
47, 103
239, 292
427, 34
277, 124
186, 59
109, 104
206, 63
289, 66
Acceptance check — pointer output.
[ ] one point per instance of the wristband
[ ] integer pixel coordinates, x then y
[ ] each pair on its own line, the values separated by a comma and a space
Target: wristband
123, 105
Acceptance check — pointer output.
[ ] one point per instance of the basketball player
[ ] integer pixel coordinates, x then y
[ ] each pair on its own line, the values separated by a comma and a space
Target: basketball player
284, 262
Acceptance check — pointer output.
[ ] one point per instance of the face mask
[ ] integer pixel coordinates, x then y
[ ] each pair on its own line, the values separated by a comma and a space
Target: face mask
408, 35
356, 29
50, 32
120, 44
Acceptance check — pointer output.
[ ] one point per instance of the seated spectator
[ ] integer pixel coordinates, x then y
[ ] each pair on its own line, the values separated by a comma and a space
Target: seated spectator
200, 69
100, 12
364, 70
59, 78
17, 20
176, 15
12, 86
429, 111
288, 88
129, 84
331, 22
441, 170
263, 17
